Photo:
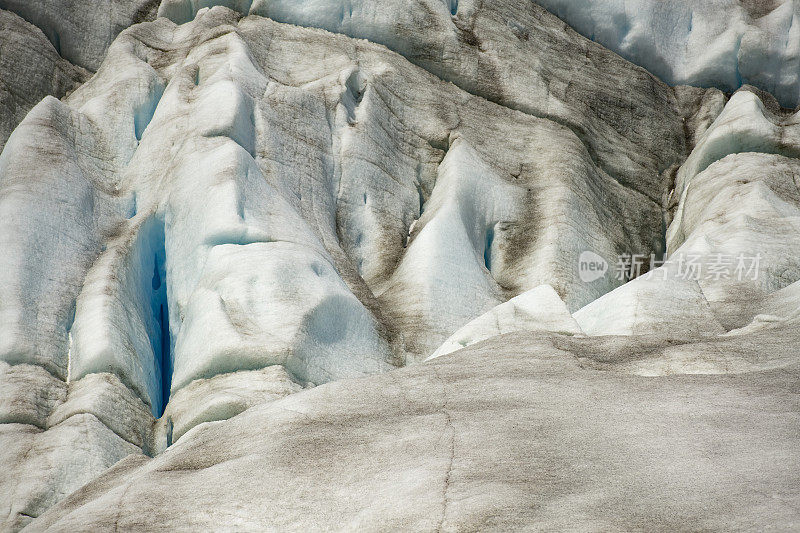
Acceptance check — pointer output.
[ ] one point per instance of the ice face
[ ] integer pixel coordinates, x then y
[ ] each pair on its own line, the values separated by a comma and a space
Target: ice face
81, 33
122, 315
539, 309
334, 210
234, 209
723, 43
737, 215
32, 71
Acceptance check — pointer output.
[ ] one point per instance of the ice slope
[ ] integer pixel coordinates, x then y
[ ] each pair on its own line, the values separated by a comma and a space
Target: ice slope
511, 53
30, 69
199, 225
79, 33
735, 209
739, 209
718, 43
80, 30
539, 309
234, 209
524, 431
232, 195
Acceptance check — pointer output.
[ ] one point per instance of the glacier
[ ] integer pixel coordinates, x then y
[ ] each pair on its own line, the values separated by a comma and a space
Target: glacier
720, 43
316, 265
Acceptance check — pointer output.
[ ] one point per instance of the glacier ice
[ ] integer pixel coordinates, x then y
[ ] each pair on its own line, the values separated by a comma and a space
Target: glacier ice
219, 398
30, 69
452, 49
55, 215
539, 309
121, 323
50, 48
79, 31
215, 244
451, 442
720, 43
45, 466
28, 393
104, 396
739, 201
744, 125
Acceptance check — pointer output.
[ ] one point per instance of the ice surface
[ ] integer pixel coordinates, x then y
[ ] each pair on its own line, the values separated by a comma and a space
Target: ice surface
446, 262
30, 69
55, 213
182, 11
660, 302
719, 43
739, 209
275, 303
43, 467
105, 397
28, 393
539, 309
241, 205
234, 208
219, 398
745, 125
524, 34
79, 31
466, 440
121, 322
